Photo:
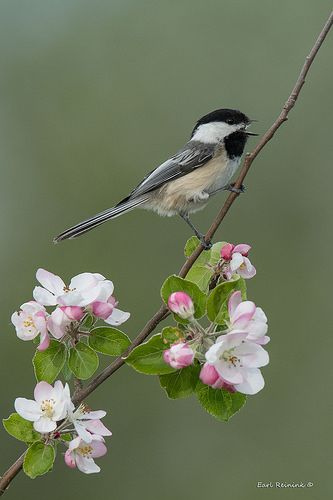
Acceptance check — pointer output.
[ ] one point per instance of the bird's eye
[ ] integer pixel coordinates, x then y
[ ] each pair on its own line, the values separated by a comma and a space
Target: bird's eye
230, 121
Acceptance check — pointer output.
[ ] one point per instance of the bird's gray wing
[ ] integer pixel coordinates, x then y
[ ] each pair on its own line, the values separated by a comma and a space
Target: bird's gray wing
192, 156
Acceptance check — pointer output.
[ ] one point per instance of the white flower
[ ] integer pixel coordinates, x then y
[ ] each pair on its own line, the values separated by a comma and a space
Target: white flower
49, 407
237, 361
30, 321
87, 423
83, 289
81, 454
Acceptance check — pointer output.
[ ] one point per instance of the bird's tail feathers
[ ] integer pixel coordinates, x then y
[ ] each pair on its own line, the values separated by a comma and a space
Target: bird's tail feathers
124, 206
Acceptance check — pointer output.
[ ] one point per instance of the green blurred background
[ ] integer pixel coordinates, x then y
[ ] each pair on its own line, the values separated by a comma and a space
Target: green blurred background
93, 95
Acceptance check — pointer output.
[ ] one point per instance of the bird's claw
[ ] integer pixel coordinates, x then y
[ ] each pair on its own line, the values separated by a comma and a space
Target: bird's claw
232, 189
206, 244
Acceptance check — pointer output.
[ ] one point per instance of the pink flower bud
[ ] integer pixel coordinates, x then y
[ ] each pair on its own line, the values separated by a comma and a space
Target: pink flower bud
181, 304
75, 313
209, 376
179, 355
101, 309
226, 251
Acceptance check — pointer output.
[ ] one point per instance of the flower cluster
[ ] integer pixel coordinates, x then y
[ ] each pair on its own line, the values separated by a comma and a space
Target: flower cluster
230, 359
54, 416
87, 293
234, 260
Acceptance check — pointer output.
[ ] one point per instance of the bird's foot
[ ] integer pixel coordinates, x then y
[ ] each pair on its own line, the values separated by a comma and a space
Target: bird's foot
232, 189
206, 244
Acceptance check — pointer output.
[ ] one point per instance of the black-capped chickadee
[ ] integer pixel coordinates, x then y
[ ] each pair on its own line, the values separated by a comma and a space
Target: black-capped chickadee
184, 183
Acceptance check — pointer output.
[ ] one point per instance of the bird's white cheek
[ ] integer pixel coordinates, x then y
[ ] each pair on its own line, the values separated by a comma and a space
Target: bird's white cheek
213, 132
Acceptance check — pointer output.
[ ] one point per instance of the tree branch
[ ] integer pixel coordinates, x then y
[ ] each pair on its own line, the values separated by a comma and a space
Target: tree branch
162, 313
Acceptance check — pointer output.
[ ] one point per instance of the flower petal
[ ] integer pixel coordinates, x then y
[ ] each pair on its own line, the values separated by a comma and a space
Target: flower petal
42, 391
80, 428
44, 297
98, 449
117, 317
69, 459
92, 415
44, 425
253, 382
234, 301
97, 427
86, 465
50, 281
28, 409
44, 342
236, 261
252, 355
243, 314
242, 248
228, 372
75, 443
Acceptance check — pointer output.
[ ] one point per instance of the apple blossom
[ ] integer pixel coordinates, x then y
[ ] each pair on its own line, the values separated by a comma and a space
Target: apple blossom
83, 289
81, 454
209, 376
87, 423
180, 303
30, 321
246, 317
49, 407
236, 259
179, 355
237, 361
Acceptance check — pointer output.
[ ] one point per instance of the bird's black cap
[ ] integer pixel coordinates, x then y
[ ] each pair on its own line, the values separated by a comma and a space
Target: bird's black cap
231, 116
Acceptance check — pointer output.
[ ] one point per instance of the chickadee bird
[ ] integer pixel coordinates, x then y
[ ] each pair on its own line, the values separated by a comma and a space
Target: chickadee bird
184, 183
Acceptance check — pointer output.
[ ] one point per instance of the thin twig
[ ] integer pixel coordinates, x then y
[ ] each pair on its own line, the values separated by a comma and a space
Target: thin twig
163, 311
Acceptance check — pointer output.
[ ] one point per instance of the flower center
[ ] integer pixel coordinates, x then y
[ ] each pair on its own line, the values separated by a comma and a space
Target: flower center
230, 358
47, 407
29, 323
82, 409
66, 289
85, 451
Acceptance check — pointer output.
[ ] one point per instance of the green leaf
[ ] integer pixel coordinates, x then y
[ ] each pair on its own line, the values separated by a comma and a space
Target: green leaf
217, 303
66, 372
88, 321
108, 340
20, 428
171, 334
148, 357
191, 245
177, 284
66, 437
83, 361
181, 383
38, 460
201, 276
218, 402
203, 269
48, 364
215, 252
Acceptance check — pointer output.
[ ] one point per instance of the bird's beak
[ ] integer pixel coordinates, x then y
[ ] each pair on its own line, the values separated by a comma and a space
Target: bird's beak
250, 133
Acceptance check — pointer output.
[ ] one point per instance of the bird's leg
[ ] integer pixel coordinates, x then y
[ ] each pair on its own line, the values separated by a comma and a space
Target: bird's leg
232, 189
206, 244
